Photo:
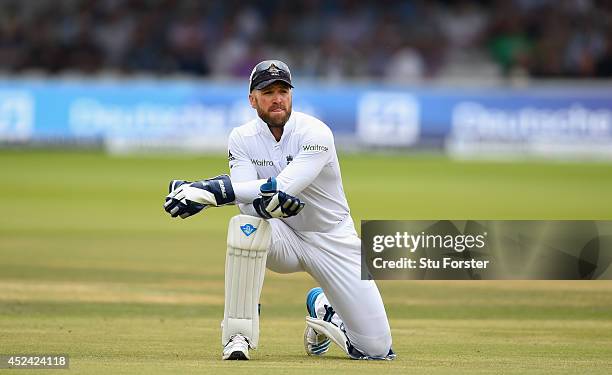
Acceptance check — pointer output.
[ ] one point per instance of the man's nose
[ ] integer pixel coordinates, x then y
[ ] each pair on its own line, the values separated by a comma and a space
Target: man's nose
279, 95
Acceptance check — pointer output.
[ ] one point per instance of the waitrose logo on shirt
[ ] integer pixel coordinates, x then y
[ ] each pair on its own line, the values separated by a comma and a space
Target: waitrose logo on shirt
314, 148
262, 162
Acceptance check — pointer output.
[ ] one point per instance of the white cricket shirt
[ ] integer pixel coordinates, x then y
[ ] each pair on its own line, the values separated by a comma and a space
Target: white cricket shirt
304, 163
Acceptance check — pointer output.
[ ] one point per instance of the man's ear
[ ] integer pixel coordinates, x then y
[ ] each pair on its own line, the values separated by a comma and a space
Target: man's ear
252, 100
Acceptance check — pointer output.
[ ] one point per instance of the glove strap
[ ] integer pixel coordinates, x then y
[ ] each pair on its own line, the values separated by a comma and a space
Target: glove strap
220, 186
260, 207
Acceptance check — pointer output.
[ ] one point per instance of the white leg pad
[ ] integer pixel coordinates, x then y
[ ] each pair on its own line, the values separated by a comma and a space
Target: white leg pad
248, 240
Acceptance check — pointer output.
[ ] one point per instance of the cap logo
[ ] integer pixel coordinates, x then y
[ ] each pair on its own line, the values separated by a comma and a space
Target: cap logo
268, 72
273, 70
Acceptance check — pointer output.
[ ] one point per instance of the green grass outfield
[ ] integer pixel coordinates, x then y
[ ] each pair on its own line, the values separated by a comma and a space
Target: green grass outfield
90, 265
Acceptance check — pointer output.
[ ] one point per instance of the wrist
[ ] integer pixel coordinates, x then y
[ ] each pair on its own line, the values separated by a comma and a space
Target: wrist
220, 190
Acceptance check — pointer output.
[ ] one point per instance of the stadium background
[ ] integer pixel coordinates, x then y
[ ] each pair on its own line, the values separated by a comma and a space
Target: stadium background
442, 109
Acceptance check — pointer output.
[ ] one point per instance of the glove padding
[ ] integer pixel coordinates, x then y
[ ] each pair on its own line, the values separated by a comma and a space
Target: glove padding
188, 198
276, 204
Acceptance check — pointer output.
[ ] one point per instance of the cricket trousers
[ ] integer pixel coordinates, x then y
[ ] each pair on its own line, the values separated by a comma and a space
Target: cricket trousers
333, 260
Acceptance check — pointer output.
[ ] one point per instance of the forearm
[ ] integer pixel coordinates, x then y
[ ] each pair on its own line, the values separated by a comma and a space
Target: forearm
316, 153
294, 180
246, 191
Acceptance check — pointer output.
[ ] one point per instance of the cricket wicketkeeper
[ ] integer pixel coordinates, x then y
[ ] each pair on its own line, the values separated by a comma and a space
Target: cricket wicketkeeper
285, 179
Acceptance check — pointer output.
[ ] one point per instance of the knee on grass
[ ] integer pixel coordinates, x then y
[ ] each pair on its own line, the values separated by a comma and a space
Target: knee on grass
374, 346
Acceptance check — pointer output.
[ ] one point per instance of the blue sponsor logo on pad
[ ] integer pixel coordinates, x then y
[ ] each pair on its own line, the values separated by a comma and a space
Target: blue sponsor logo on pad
248, 229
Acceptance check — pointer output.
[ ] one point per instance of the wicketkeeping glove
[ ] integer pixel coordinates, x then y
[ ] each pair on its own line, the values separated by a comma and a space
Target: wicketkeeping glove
276, 204
188, 198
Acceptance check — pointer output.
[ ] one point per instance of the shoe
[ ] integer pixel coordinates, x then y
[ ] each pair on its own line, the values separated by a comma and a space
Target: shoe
315, 343
237, 348
330, 331
356, 354
338, 336
321, 331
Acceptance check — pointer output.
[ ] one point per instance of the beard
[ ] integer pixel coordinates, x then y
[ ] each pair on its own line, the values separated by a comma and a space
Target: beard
276, 121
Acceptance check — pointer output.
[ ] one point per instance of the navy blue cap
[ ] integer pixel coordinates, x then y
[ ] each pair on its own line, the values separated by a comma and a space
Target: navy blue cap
267, 72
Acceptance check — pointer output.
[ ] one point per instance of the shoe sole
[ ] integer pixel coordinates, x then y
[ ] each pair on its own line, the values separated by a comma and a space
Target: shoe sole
320, 349
330, 330
237, 356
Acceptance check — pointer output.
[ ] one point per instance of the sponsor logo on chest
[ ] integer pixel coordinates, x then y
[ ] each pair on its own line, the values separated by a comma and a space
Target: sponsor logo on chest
314, 148
262, 162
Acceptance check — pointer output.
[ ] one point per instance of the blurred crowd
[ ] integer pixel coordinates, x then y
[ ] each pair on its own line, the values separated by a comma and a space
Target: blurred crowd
327, 39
